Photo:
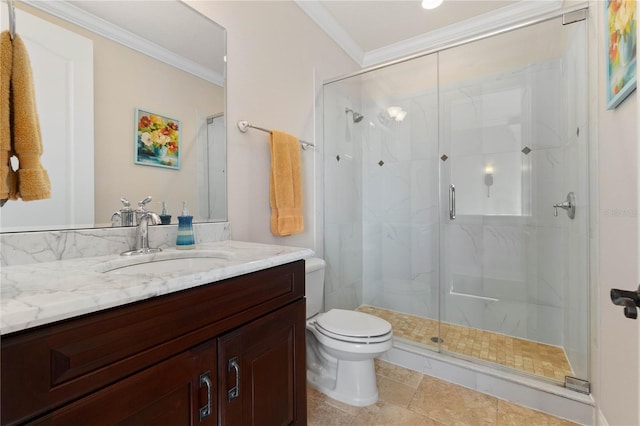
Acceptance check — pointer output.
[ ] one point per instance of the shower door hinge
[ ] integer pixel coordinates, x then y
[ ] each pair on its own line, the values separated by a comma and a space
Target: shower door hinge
578, 385
576, 16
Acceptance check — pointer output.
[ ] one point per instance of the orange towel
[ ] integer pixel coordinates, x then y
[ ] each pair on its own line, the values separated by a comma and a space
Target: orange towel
285, 186
33, 180
6, 64
19, 126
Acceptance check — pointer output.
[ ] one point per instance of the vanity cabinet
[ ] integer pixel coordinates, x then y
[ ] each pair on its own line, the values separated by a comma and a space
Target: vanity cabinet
166, 393
230, 352
258, 371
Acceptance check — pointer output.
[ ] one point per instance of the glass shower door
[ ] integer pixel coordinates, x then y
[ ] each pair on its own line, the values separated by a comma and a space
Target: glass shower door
381, 200
513, 127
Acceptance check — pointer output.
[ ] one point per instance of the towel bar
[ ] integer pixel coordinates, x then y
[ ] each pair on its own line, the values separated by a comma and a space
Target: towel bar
245, 125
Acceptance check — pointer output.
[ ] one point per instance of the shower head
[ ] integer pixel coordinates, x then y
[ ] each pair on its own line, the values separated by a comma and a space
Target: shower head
357, 117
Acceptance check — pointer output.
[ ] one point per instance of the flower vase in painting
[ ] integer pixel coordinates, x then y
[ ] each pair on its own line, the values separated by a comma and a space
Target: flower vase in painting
158, 140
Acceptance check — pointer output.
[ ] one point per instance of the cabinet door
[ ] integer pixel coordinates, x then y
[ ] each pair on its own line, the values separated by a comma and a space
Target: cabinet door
169, 393
261, 371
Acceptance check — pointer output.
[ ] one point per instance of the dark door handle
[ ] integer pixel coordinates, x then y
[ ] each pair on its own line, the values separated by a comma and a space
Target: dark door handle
629, 299
205, 380
234, 392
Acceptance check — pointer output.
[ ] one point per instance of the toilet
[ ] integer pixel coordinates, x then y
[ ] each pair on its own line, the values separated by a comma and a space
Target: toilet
341, 345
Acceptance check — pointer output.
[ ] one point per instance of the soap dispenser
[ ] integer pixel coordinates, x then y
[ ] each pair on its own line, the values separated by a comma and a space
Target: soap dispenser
185, 240
165, 217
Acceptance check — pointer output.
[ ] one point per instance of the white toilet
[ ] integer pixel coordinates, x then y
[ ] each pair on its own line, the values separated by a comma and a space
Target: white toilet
341, 345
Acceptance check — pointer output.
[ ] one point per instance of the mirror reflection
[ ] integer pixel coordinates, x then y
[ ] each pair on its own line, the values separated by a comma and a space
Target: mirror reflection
89, 86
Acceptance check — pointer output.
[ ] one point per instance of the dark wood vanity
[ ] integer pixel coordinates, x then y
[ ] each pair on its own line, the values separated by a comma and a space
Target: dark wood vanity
230, 352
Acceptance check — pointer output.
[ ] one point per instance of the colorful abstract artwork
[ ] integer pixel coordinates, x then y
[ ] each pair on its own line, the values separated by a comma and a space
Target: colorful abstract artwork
620, 21
157, 140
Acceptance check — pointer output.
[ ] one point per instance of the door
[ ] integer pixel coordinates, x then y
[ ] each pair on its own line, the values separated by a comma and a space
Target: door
261, 370
513, 141
174, 392
62, 66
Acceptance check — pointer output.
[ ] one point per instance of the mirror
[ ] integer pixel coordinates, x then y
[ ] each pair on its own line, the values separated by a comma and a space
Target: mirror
95, 65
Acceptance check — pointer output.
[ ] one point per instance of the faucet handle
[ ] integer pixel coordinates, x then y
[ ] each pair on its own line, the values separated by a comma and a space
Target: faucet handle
141, 204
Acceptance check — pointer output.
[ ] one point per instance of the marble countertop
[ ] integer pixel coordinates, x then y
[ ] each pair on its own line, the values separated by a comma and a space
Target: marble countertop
42, 293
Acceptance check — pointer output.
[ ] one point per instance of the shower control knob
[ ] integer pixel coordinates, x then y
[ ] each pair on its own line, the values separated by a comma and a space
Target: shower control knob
569, 205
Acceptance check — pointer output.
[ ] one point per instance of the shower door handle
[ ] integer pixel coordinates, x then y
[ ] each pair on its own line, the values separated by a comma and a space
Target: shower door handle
452, 202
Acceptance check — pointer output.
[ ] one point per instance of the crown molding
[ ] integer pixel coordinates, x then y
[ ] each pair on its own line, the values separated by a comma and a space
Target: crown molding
481, 24
75, 15
466, 29
330, 26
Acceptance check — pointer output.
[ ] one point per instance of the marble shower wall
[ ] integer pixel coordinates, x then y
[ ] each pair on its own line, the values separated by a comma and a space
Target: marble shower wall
400, 206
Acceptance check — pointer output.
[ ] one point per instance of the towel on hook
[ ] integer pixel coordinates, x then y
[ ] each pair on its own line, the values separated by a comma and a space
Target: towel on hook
26, 141
285, 185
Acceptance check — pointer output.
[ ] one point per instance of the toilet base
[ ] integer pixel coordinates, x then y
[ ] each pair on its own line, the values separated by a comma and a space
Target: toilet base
355, 383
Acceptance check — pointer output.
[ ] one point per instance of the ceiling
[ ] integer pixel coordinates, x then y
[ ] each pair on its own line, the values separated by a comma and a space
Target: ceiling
377, 24
161, 26
166, 31
373, 32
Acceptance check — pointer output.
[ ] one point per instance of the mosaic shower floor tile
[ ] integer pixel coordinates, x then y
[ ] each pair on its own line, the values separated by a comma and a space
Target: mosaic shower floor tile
520, 354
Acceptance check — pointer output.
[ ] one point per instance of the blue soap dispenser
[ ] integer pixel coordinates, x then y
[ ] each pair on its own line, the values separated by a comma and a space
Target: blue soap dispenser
165, 217
185, 240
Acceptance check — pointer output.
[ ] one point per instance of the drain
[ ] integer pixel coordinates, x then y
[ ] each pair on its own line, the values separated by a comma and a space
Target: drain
436, 339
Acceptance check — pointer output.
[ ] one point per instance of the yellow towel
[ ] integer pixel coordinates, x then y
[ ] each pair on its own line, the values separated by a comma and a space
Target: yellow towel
33, 180
285, 188
6, 61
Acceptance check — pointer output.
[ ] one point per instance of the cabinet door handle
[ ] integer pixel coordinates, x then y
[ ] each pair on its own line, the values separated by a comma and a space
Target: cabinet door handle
452, 202
234, 392
205, 380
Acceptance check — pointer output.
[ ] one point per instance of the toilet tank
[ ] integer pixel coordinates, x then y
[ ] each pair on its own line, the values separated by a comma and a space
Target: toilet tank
314, 284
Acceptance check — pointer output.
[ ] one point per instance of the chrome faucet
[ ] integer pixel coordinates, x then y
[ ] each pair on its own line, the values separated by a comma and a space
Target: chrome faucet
144, 218
142, 232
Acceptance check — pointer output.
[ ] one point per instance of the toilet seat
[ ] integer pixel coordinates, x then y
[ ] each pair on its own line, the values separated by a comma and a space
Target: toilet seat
352, 326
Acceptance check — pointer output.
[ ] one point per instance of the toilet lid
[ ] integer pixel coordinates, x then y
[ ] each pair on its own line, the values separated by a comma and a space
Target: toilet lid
353, 324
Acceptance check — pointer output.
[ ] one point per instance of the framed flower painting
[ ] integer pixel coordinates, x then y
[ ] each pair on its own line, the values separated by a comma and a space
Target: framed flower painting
620, 21
157, 140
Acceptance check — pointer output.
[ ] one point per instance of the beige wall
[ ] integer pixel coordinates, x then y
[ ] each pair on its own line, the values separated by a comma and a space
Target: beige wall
275, 54
134, 80
617, 355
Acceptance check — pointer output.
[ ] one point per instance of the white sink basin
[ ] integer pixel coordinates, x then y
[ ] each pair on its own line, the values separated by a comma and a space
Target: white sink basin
166, 262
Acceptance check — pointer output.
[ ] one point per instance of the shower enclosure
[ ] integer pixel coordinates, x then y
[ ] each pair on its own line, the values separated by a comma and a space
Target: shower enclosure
457, 207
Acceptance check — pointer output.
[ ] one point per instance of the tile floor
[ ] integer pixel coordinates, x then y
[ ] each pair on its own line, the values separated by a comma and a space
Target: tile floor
524, 355
407, 397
